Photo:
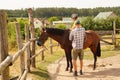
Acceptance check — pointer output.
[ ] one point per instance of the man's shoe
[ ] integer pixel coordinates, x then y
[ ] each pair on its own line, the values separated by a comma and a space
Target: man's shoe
81, 73
75, 73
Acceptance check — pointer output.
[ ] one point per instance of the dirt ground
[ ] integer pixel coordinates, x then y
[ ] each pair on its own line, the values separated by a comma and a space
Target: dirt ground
107, 69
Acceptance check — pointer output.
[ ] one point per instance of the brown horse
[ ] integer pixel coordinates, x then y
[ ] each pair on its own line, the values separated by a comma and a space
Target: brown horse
92, 41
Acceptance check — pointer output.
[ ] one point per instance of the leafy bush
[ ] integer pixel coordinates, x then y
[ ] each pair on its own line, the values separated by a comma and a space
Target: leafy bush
61, 26
11, 35
51, 19
22, 22
37, 32
11, 19
103, 24
118, 23
12, 32
88, 23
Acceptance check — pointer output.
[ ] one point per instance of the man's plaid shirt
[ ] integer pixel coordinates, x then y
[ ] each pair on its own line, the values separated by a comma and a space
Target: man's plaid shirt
77, 37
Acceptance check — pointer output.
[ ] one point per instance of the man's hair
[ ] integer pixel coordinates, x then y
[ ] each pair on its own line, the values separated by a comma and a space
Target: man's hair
77, 22
75, 16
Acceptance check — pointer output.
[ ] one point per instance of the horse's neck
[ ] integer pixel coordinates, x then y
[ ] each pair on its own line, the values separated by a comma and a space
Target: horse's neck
60, 38
56, 38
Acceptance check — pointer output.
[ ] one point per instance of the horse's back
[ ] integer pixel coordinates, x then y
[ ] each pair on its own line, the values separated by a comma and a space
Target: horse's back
91, 38
92, 33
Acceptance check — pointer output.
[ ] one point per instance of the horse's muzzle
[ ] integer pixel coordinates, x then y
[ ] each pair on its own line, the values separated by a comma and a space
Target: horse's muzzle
39, 43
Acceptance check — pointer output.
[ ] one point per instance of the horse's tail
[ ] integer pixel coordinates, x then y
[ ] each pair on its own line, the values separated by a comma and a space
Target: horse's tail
98, 50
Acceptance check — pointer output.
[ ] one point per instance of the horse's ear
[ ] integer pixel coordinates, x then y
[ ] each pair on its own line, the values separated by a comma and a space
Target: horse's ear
43, 29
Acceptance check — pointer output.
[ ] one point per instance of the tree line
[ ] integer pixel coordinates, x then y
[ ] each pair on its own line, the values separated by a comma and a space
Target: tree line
61, 12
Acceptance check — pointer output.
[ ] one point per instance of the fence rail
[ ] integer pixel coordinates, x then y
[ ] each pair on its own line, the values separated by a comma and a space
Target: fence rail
6, 59
5, 63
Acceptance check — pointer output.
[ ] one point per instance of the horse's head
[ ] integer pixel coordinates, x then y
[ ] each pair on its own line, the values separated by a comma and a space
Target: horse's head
42, 37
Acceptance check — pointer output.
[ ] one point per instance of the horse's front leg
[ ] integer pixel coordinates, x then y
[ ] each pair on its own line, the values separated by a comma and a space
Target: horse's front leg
67, 62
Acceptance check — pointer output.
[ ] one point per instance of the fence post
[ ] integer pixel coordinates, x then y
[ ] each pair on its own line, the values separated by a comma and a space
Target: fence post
28, 48
114, 33
20, 46
32, 30
42, 56
51, 46
3, 44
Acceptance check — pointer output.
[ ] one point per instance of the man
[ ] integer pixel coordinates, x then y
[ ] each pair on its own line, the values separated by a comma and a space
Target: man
74, 18
77, 36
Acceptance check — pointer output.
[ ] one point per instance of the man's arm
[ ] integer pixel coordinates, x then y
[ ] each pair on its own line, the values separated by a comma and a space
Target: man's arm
72, 27
71, 36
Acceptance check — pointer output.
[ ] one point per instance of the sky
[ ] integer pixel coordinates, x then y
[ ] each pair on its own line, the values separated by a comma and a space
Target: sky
22, 4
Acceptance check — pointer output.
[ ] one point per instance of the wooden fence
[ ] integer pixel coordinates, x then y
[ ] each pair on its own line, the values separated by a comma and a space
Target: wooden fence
111, 33
5, 58
8, 60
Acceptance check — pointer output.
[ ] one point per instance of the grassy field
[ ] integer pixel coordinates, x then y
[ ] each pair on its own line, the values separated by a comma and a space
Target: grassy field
40, 73
106, 51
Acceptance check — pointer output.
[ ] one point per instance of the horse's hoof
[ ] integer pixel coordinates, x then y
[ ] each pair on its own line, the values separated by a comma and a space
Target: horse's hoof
71, 71
66, 69
94, 68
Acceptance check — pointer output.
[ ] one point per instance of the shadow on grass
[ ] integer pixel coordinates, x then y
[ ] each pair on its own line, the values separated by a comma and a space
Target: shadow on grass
40, 73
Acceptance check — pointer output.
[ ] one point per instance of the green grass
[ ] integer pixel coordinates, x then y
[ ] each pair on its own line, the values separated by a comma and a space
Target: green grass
40, 73
106, 51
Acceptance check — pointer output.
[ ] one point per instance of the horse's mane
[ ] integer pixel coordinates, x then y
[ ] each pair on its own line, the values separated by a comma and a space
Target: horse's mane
55, 31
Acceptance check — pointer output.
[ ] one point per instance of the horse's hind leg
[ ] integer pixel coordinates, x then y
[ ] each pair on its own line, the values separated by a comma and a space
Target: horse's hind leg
95, 60
93, 49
